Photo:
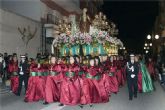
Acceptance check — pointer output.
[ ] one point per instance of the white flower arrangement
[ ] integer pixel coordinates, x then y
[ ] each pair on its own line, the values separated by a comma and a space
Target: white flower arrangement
86, 38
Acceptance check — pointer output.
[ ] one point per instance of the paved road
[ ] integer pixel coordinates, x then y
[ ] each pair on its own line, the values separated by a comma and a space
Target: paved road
145, 101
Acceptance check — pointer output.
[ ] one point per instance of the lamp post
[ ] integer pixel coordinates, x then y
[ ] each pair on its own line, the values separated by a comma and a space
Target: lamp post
152, 44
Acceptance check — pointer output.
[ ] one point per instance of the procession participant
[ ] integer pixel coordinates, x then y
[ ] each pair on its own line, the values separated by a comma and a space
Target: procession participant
2, 67
81, 66
113, 86
14, 55
151, 68
119, 73
123, 67
5, 59
36, 83
132, 77
23, 76
100, 80
90, 93
147, 85
70, 86
8, 73
52, 88
163, 74
139, 74
32, 82
13, 69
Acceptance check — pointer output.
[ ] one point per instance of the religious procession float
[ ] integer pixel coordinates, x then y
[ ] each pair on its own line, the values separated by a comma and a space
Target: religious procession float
86, 36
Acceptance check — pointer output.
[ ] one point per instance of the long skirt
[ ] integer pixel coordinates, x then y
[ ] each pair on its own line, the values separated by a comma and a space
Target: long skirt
147, 85
120, 78
112, 85
52, 88
101, 87
70, 91
14, 84
140, 82
36, 89
152, 72
123, 70
90, 93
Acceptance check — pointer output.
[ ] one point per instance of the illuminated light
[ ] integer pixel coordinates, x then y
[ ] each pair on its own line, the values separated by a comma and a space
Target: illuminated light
150, 44
156, 36
149, 37
147, 51
145, 44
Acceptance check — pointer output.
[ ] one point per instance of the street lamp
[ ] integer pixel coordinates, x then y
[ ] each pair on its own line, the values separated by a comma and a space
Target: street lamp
149, 37
150, 44
146, 51
144, 48
145, 44
156, 36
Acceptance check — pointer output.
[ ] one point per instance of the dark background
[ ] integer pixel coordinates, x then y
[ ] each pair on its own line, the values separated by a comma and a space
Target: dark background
135, 20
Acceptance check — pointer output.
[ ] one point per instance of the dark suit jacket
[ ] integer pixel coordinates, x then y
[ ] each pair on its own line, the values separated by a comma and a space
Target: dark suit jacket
135, 72
25, 67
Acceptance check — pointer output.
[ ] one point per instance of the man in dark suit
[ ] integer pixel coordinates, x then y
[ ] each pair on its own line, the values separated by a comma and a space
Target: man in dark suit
132, 70
23, 76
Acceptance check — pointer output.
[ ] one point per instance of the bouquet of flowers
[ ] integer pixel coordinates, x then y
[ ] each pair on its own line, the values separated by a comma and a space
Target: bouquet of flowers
101, 37
88, 39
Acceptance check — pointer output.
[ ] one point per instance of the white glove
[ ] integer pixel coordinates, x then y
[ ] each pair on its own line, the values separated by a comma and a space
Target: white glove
21, 73
132, 75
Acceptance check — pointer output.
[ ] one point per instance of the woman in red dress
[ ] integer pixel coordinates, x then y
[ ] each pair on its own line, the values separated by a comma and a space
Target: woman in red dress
90, 93
139, 75
112, 78
36, 84
70, 91
100, 80
151, 69
123, 67
13, 69
119, 73
52, 89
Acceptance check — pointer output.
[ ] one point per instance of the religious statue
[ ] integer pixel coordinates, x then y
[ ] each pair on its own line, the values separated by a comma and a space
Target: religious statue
84, 22
74, 27
95, 22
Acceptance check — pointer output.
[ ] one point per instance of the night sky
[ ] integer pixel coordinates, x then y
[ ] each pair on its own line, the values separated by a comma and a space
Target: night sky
135, 20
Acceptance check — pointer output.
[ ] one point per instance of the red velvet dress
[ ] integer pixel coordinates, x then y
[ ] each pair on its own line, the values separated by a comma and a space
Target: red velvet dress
13, 69
70, 91
36, 84
101, 84
123, 69
113, 86
151, 70
119, 73
82, 70
139, 80
52, 88
91, 87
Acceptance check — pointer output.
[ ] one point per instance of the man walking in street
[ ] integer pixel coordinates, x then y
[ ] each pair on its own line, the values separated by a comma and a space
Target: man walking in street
132, 70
